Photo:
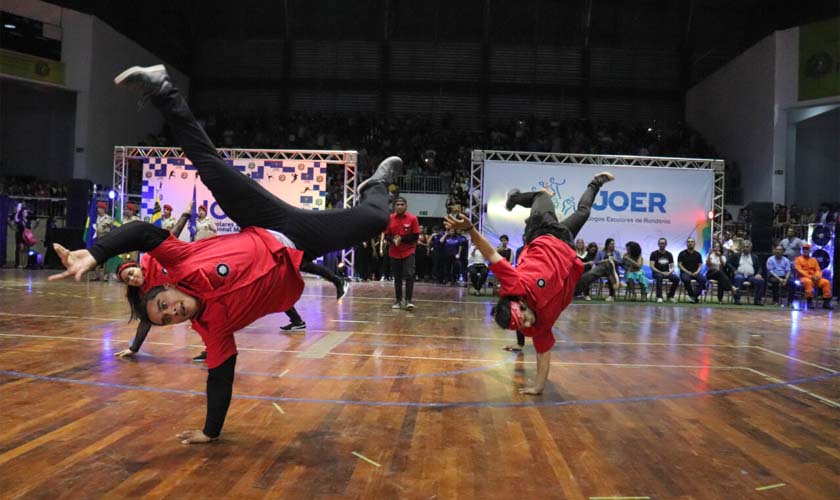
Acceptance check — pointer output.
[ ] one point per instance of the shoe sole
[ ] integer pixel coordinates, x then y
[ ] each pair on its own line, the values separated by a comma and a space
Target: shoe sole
136, 69
344, 291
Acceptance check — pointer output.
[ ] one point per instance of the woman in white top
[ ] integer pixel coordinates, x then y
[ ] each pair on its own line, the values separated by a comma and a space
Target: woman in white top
716, 270
580, 248
205, 228
477, 269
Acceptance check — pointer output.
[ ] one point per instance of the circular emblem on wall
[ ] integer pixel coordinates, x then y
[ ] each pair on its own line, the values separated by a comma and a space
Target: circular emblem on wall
184, 175
320, 178
42, 69
541, 283
222, 270
319, 202
301, 166
148, 175
251, 165
819, 65
282, 178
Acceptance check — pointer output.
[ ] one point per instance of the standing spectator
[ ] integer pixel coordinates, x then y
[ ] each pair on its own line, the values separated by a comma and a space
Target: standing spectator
22, 221
633, 264
452, 247
130, 213
778, 273
104, 224
791, 245
403, 231
204, 226
503, 249
168, 221
746, 267
437, 253
691, 263
423, 256
662, 267
810, 276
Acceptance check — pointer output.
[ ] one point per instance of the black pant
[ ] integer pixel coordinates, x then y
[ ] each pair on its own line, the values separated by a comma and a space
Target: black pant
451, 269
403, 268
542, 212
322, 271
723, 282
673, 278
775, 284
520, 339
603, 270
294, 317
249, 204
478, 275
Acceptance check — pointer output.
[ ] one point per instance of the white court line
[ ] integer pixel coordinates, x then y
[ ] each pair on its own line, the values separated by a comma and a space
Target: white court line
351, 321
59, 316
775, 380
794, 359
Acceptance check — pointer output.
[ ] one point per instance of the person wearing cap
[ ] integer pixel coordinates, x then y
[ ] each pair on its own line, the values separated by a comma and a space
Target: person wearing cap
403, 231
226, 283
168, 221
130, 213
810, 276
204, 226
535, 293
104, 224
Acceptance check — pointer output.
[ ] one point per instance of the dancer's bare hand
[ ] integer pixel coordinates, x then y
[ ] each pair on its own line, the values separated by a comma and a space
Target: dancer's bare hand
194, 437
534, 391
77, 262
125, 353
459, 224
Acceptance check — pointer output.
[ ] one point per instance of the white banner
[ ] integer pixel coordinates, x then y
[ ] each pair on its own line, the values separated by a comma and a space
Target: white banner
299, 183
641, 205
426, 205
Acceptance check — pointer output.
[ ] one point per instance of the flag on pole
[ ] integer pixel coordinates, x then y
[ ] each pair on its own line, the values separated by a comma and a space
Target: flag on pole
193, 226
157, 218
90, 223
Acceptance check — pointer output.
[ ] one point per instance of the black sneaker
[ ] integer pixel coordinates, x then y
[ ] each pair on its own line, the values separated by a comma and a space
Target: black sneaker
342, 289
509, 203
827, 304
201, 357
293, 327
386, 172
148, 81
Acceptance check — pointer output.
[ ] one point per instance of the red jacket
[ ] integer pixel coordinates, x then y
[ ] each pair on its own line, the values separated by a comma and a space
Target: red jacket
402, 226
239, 278
545, 278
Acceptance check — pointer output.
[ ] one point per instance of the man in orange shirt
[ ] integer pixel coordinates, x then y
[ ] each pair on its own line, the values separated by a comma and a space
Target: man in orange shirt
810, 275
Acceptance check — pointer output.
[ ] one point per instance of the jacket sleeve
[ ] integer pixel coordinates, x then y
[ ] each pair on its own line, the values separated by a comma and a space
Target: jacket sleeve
182, 222
219, 393
140, 337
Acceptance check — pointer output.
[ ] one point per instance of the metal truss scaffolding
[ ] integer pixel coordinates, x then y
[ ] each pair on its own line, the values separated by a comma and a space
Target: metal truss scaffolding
478, 208
122, 154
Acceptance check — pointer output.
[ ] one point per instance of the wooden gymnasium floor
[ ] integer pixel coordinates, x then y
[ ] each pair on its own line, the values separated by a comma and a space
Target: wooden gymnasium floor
644, 401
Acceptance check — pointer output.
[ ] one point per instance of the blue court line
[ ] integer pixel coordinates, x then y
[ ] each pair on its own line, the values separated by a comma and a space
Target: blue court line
414, 404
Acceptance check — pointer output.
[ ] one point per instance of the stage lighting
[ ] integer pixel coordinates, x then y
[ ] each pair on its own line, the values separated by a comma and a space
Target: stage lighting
9, 26
31, 253
711, 214
112, 194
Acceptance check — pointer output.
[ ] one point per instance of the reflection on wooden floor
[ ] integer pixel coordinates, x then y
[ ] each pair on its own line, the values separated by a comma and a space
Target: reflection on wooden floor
658, 401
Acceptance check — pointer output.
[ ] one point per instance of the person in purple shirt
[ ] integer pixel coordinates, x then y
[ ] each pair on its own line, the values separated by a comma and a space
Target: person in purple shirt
453, 245
778, 273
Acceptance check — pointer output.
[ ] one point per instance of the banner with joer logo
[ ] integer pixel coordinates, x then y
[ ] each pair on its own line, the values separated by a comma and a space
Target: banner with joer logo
170, 181
641, 205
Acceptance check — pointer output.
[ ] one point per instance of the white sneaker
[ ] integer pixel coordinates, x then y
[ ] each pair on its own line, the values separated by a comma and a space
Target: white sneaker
587, 298
396, 305
673, 299
609, 298
409, 306
659, 300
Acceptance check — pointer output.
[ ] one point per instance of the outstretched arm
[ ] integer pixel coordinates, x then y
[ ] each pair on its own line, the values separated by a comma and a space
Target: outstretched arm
543, 365
126, 238
182, 221
139, 337
484, 246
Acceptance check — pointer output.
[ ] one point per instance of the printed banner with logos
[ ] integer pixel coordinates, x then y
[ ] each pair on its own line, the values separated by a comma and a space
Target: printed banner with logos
33, 68
642, 204
299, 183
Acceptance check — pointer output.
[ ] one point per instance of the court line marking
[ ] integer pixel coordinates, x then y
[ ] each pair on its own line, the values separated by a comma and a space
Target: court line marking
794, 359
619, 498
771, 378
415, 404
770, 487
366, 459
278, 408
324, 345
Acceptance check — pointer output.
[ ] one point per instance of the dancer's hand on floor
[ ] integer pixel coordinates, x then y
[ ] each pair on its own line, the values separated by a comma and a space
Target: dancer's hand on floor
77, 262
534, 391
125, 353
194, 437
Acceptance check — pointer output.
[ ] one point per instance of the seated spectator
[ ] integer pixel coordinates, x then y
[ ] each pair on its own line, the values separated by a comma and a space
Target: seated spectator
603, 266
503, 249
746, 267
477, 269
716, 270
791, 245
778, 272
810, 276
633, 264
580, 248
691, 263
662, 267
